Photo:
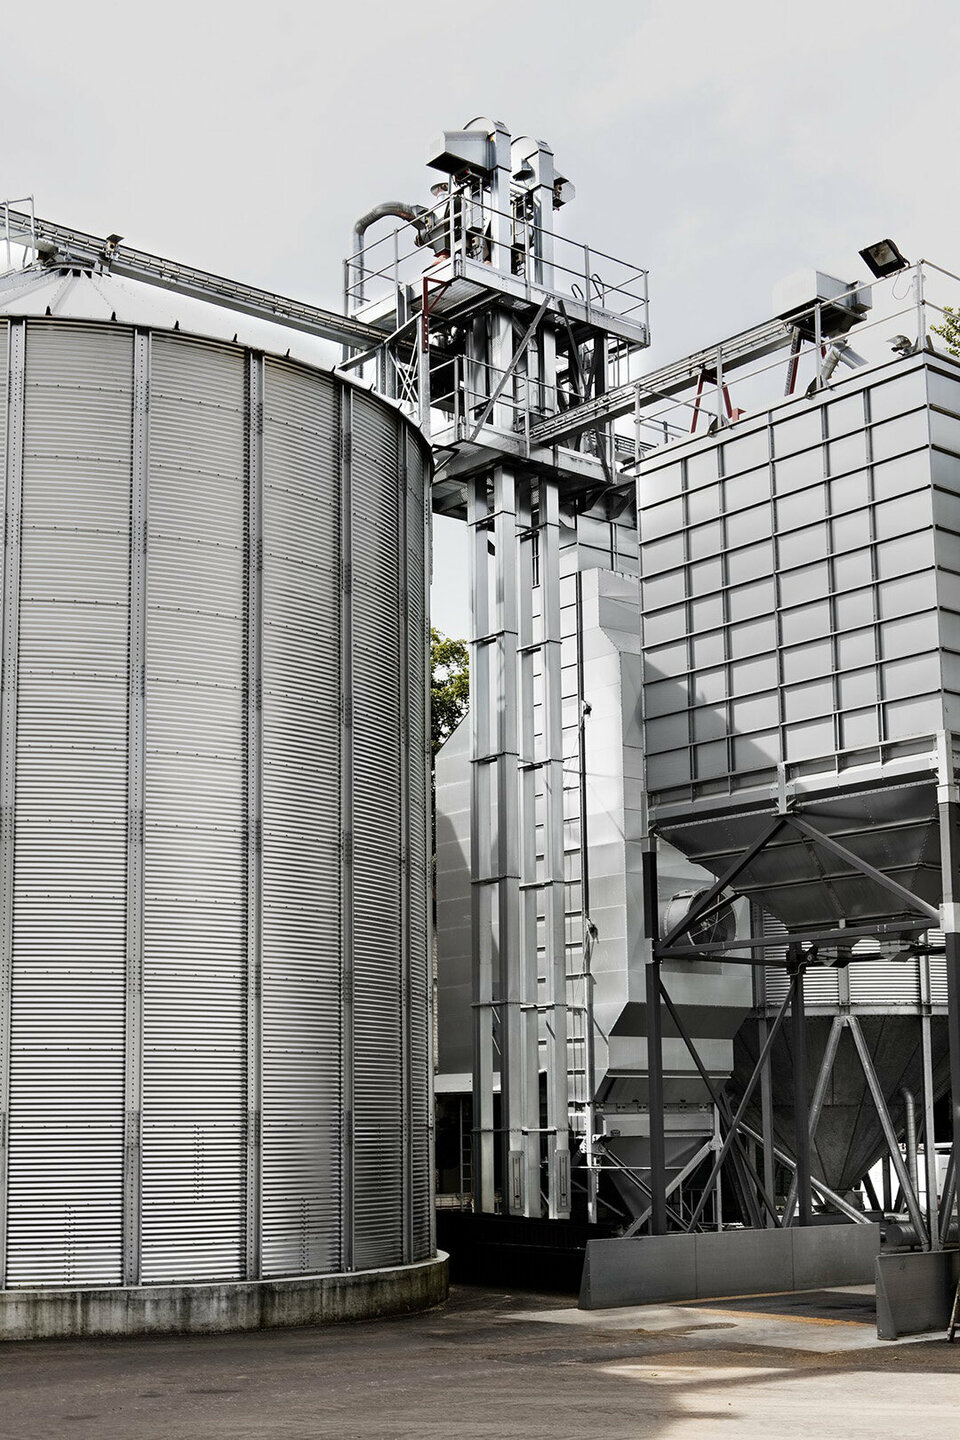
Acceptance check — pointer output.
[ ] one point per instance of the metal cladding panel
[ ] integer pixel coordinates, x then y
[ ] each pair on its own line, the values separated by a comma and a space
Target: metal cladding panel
194, 1093
790, 595
418, 809
194, 940
66, 1133
378, 901
302, 1086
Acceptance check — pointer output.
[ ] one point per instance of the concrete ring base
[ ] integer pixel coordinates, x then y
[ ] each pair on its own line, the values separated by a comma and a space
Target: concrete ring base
229, 1305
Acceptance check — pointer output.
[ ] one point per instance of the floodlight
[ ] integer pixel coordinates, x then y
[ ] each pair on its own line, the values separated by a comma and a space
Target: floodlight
883, 259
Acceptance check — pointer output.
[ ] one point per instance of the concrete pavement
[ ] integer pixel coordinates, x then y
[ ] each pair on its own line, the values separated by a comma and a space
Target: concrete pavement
493, 1366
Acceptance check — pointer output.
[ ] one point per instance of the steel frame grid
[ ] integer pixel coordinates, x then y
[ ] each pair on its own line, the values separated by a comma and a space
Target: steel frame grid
932, 1229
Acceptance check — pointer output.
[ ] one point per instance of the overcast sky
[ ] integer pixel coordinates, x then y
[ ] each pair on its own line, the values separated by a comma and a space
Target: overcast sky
722, 146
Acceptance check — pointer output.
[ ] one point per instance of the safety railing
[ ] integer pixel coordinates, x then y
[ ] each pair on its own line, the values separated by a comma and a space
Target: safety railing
513, 245
15, 234
918, 307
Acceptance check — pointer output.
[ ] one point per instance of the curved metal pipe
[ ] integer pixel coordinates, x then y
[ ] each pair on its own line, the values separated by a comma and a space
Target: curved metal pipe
401, 210
910, 1131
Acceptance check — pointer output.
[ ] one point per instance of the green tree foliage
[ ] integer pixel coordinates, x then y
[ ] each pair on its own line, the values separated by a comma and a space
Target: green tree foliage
949, 330
449, 686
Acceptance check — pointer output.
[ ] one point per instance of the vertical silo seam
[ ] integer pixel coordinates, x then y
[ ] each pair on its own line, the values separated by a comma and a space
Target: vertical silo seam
404, 839
346, 830
423, 510
136, 728
418, 762
13, 488
254, 799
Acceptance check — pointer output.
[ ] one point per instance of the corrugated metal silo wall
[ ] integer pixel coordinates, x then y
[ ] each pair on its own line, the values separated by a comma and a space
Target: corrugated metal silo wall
213, 773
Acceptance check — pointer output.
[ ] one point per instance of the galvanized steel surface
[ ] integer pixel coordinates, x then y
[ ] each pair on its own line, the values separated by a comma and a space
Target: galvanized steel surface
213, 761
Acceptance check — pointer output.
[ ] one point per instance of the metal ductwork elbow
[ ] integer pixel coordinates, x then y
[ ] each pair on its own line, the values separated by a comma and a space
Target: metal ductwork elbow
398, 208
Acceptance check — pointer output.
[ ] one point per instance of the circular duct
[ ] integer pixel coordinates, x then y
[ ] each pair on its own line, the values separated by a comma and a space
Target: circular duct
717, 926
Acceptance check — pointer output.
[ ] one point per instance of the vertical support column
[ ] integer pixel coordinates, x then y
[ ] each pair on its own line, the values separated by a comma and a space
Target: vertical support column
588, 931
927, 1100
13, 494
254, 803
531, 887
500, 320
801, 1119
517, 1139
766, 1093
555, 938
481, 822
948, 799
346, 832
654, 1028
136, 759
544, 396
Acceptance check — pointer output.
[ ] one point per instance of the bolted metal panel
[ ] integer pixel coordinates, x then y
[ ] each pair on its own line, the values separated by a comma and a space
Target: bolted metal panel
194, 1094
790, 591
69, 924
378, 859
302, 1088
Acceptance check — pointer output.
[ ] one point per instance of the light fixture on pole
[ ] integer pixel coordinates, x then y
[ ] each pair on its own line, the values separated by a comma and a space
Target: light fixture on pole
883, 259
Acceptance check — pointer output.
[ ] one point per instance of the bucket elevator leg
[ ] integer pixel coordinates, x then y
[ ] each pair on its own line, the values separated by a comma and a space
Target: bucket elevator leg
481, 820
530, 884
520, 1128
555, 958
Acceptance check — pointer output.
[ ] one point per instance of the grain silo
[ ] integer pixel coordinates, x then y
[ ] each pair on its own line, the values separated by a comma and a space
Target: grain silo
215, 1024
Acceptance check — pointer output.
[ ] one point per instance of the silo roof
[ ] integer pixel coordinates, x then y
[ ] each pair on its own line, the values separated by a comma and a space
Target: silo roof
81, 293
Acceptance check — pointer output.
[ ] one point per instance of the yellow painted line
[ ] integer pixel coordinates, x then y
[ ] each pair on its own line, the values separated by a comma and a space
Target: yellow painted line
757, 1295
800, 1319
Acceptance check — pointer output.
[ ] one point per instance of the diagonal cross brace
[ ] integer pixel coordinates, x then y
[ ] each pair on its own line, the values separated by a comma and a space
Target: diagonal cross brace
708, 897
913, 902
717, 1096
510, 371
742, 1107
886, 1124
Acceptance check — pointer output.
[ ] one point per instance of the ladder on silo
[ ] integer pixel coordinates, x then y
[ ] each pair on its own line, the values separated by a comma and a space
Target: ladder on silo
954, 1314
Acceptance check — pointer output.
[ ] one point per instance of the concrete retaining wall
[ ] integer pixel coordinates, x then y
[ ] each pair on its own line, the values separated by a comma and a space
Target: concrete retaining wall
238, 1305
915, 1292
657, 1269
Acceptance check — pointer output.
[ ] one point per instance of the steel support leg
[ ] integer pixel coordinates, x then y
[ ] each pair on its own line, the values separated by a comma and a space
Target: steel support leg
737, 1120
950, 921
654, 1027
819, 1095
766, 1120
801, 1112
929, 1149
889, 1134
